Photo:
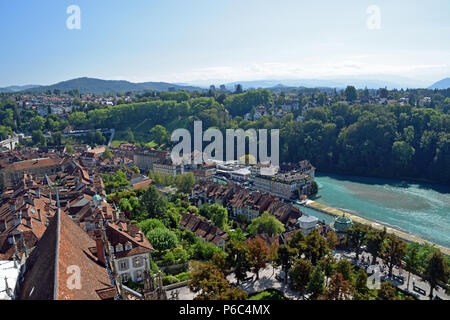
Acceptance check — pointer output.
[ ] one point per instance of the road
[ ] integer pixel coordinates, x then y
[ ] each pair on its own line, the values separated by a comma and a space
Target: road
113, 131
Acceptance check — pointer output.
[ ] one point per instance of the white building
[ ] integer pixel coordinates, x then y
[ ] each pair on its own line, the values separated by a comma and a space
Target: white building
130, 248
307, 223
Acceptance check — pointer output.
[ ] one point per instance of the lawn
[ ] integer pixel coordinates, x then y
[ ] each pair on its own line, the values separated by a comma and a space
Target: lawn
269, 294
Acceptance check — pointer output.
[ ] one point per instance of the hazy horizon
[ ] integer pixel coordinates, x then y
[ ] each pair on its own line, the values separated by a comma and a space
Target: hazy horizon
220, 42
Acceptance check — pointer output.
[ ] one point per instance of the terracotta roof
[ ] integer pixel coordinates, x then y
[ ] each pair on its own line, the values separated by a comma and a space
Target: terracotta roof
202, 228
121, 234
142, 184
31, 164
64, 245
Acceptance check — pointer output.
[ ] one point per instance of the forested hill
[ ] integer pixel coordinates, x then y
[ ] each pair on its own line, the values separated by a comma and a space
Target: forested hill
99, 86
392, 140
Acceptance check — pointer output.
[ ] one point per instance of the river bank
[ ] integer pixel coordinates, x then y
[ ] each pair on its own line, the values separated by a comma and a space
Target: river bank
418, 209
402, 235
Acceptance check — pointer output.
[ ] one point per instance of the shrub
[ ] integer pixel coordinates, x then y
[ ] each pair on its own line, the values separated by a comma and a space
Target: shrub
169, 280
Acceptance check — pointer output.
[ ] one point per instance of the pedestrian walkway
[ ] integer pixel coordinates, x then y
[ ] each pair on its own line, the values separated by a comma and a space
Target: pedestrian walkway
417, 286
267, 280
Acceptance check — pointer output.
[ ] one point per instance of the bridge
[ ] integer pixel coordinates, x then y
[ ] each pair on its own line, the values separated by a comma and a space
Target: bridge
10, 143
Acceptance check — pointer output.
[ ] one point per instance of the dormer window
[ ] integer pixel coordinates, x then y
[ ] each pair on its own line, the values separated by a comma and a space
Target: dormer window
119, 248
128, 246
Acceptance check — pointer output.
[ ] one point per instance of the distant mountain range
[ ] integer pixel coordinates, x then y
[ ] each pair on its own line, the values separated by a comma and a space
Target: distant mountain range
99, 86
18, 88
359, 83
442, 84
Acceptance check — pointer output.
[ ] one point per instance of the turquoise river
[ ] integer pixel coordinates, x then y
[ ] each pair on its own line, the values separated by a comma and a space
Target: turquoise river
420, 209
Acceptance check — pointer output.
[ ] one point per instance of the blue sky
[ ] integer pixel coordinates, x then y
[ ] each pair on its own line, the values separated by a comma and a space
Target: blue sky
201, 41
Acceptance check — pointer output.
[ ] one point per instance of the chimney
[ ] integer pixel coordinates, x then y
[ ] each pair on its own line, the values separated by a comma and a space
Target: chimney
100, 247
39, 193
141, 236
39, 215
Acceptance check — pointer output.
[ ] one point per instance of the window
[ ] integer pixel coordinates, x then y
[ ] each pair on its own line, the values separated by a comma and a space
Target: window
137, 262
123, 265
119, 248
139, 275
128, 246
125, 277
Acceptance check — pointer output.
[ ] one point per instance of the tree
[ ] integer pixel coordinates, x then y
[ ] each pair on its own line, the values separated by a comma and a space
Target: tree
160, 135
436, 271
70, 149
129, 136
217, 213
265, 223
315, 285
77, 118
412, 260
356, 236
37, 123
284, 258
316, 246
125, 205
57, 138
259, 254
300, 274
204, 250
338, 288
38, 138
162, 239
298, 242
374, 241
220, 262
383, 92
350, 93
154, 205
392, 251
332, 240
239, 259
135, 169
313, 189
237, 235
238, 89
185, 182
117, 181
402, 152
361, 282
150, 224
344, 267
387, 291
211, 284
328, 265
107, 154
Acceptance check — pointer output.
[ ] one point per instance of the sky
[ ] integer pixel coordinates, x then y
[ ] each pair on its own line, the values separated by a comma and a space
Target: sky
219, 41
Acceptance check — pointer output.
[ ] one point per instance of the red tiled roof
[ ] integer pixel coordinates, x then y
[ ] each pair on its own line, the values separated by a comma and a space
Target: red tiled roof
30, 164
142, 184
72, 249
